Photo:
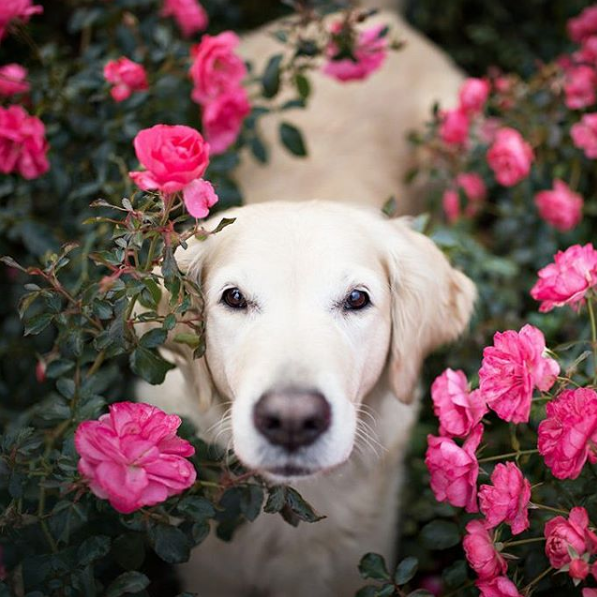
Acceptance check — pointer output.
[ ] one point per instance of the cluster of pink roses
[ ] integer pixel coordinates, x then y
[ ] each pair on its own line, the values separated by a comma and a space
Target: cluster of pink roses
188, 14
126, 77
512, 368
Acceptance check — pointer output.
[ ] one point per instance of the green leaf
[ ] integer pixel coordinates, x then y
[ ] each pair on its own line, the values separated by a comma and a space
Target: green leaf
373, 566
276, 499
170, 544
456, 574
129, 551
271, 76
250, 501
300, 507
38, 323
440, 534
406, 570
387, 591
188, 339
368, 591
129, 582
59, 367
93, 549
420, 593
292, 139
149, 365
154, 290
259, 150
302, 86
198, 508
153, 338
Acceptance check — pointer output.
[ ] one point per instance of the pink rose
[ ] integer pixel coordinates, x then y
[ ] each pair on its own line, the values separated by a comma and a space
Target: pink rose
473, 95
579, 87
126, 76
584, 25
579, 569
589, 593
188, 14
133, 457
23, 145
481, 553
223, 119
510, 157
458, 409
199, 196
454, 470
173, 157
500, 586
368, 55
16, 9
584, 134
561, 535
588, 52
453, 128
561, 207
216, 69
507, 500
474, 191
512, 368
567, 280
567, 436
13, 80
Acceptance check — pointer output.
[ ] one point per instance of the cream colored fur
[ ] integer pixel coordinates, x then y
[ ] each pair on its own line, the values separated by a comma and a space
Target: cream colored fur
297, 261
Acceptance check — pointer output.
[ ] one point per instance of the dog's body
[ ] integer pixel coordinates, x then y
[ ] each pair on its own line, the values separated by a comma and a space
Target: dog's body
298, 339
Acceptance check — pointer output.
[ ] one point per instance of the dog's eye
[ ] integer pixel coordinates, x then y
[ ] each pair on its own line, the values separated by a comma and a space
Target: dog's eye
234, 298
357, 299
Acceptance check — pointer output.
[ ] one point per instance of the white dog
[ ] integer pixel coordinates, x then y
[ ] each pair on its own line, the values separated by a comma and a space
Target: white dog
319, 315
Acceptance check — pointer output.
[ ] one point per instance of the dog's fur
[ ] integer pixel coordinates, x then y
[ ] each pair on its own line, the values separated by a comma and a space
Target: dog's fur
295, 263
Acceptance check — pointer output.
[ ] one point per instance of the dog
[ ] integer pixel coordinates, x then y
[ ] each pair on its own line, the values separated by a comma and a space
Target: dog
319, 314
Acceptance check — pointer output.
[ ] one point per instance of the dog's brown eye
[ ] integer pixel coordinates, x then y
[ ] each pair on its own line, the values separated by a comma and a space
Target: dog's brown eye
234, 298
357, 299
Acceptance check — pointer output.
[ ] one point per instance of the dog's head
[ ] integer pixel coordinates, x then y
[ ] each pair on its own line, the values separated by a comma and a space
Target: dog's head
306, 306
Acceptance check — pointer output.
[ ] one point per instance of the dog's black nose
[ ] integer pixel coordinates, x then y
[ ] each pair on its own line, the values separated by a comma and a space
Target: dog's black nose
292, 418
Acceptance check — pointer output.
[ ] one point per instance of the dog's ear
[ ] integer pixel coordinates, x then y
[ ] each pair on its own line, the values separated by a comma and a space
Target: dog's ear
431, 304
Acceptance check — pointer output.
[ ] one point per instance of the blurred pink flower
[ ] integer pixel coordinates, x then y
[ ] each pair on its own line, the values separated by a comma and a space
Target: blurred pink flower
216, 68
500, 586
133, 457
473, 95
584, 25
510, 157
458, 409
579, 87
481, 553
16, 9
507, 500
584, 134
454, 126
474, 191
369, 54
589, 592
23, 145
561, 207
198, 197
561, 535
126, 76
512, 368
454, 470
568, 435
567, 280
579, 569
13, 79
173, 155
223, 119
188, 14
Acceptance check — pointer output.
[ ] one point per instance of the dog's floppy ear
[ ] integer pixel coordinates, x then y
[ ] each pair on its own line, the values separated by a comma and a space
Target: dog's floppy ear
431, 304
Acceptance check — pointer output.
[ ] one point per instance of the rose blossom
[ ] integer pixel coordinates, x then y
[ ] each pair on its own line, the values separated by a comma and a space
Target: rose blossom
561, 207
16, 9
199, 197
481, 553
473, 95
579, 569
458, 409
589, 593
567, 436
507, 499
454, 470
510, 157
580, 87
369, 54
223, 119
500, 586
216, 69
133, 457
584, 25
561, 535
474, 190
13, 79
454, 125
126, 76
23, 146
566, 280
512, 368
588, 52
584, 134
188, 14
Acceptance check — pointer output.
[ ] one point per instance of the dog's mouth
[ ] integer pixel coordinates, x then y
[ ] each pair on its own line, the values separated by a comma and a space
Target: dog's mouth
290, 471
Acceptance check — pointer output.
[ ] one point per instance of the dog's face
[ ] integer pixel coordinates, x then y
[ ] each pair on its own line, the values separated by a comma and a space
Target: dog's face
303, 313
